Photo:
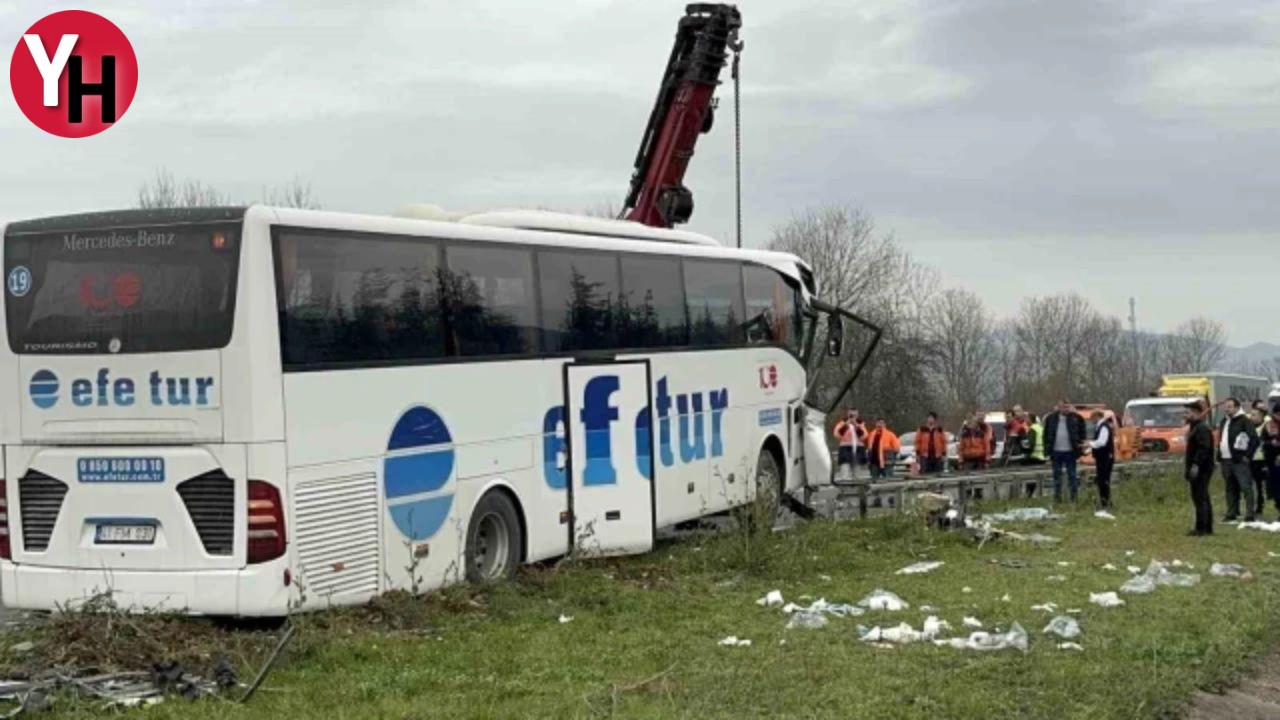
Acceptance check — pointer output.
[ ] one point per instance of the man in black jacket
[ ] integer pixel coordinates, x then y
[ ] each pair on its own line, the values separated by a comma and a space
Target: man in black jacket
1064, 437
1199, 467
1238, 441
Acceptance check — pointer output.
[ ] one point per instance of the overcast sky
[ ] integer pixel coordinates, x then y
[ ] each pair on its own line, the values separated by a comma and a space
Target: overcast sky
1113, 148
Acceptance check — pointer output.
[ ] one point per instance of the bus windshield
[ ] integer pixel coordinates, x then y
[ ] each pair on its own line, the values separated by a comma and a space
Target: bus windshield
124, 290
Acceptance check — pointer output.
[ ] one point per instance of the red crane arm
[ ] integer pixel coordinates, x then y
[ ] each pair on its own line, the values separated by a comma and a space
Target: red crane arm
683, 110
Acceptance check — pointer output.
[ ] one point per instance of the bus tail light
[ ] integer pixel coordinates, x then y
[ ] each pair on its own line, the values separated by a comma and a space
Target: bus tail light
6, 548
266, 534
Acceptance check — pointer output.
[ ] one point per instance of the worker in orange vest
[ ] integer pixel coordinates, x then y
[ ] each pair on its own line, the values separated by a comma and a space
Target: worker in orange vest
850, 434
975, 443
882, 450
931, 446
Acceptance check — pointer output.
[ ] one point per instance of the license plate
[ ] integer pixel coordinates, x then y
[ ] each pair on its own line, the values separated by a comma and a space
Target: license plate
126, 534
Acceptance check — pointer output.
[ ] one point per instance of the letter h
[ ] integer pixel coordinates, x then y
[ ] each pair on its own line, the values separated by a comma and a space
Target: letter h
78, 89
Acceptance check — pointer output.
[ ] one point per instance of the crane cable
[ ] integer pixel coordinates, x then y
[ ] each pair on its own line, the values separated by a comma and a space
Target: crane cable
736, 46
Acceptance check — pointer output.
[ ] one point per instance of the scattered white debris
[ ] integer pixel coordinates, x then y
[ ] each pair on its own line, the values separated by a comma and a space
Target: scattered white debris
807, 620
1065, 563
1106, 600
1046, 608
1026, 514
1074, 611
1129, 553
1273, 555
972, 622
824, 578
1273, 527
566, 619
1110, 567
1057, 578
966, 589
1133, 569
901, 634
1139, 585
928, 609
1232, 570
933, 627
822, 607
735, 641
1006, 598
772, 599
1104, 515
1064, 626
1070, 646
921, 568
883, 600
1160, 575
1176, 563
1016, 638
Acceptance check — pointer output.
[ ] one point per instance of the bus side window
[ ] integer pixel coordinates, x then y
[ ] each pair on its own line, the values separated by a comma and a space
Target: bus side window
772, 309
652, 309
579, 293
713, 293
488, 299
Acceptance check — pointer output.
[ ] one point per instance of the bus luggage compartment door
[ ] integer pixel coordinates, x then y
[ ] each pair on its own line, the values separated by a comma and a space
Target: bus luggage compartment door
610, 457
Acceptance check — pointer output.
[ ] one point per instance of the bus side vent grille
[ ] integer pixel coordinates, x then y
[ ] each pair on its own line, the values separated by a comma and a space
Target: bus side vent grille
211, 503
40, 500
337, 535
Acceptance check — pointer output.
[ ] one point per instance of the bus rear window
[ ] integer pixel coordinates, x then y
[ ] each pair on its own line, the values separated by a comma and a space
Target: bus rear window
123, 290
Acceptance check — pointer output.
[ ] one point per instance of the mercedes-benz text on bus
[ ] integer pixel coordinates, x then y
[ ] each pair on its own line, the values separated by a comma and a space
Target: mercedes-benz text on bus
246, 412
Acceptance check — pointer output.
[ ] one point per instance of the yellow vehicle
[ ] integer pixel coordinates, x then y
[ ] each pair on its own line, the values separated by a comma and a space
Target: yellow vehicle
1159, 419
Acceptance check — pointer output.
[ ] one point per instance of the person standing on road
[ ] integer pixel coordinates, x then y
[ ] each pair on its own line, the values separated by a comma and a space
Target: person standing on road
1015, 436
931, 446
975, 450
1103, 447
847, 436
1235, 448
1064, 436
1033, 448
882, 450
1199, 465
1258, 462
1269, 440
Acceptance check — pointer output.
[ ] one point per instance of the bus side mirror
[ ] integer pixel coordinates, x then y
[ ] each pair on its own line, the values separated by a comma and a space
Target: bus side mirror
835, 335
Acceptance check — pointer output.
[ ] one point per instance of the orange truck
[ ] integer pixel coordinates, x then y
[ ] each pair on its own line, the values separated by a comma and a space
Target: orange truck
1160, 418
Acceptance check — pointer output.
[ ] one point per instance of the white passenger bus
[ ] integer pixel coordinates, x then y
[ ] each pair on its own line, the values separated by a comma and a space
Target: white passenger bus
252, 411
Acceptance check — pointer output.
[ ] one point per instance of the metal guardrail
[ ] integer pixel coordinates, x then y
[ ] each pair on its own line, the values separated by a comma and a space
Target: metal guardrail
888, 497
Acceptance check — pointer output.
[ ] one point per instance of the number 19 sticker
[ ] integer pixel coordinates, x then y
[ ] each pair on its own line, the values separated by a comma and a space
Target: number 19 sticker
19, 281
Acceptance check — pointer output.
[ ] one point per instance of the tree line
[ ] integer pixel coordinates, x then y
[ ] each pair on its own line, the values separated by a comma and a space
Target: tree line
943, 349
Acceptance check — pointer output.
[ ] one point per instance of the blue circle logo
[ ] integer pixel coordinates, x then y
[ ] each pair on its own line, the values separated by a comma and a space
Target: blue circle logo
19, 281
44, 389
416, 473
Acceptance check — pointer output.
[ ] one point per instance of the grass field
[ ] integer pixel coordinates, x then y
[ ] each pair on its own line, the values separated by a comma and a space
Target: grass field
643, 641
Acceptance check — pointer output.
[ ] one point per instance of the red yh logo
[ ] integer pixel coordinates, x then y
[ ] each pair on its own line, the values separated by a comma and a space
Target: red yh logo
73, 73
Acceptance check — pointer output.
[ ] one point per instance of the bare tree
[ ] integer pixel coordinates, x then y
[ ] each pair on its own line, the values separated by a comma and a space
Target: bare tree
961, 349
293, 194
1197, 345
163, 191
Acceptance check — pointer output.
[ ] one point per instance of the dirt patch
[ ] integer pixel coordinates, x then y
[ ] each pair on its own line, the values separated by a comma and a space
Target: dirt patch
1257, 698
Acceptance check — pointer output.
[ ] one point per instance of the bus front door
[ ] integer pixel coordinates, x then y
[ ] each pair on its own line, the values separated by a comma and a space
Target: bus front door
610, 457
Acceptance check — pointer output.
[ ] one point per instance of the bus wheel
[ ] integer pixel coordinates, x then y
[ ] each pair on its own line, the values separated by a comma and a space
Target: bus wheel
762, 512
494, 543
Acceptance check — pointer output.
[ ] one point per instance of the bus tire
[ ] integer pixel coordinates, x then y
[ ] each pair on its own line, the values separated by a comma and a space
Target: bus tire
495, 543
762, 512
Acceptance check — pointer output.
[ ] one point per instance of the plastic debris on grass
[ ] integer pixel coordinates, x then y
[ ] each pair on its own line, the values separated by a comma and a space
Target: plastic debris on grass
1046, 608
1159, 572
1133, 569
1272, 527
1070, 646
566, 619
1074, 611
883, 600
1056, 578
1106, 599
735, 641
1230, 570
1109, 567
1065, 563
1104, 515
1006, 598
972, 622
1139, 585
903, 633
822, 607
966, 589
771, 599
1015, 639
807, 620
921, 568
1064, 626
824, 578
1129, 553
1026, 514
928, 609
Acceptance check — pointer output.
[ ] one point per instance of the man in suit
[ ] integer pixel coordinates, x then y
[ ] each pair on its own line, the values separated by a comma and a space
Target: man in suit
1238, 440
1064, 432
